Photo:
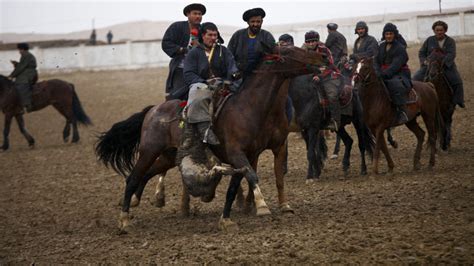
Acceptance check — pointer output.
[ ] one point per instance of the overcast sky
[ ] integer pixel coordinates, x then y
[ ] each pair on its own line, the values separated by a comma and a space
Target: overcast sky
63, 16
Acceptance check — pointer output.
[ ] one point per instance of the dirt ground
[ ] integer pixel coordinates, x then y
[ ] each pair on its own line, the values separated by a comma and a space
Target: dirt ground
59, 205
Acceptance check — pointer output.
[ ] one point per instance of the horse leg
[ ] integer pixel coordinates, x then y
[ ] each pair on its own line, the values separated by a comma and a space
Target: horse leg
362, 142
378, 144
279, 155
145, 161
309, 138
420, 135
69, 119
346, 161
67, 131
390, 139
185, 200
225, 223
430, 124
6, 132
383, 146
250, 199
21, 125
337, 147
75, 132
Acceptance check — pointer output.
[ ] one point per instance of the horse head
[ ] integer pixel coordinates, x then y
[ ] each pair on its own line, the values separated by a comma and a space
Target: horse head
435, 64
291, 61
5, 86
363, 70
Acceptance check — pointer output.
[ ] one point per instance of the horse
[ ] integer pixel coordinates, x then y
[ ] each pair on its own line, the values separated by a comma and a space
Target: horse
58, 93
251, 121
311, 117
379, 115
435, 74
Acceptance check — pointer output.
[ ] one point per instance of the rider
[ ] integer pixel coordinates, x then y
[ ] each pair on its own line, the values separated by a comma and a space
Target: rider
286, 40
25, 75
448, 45
365, 45
329, 77
336, 42
204, 67
245, 44
178, 39
391, 65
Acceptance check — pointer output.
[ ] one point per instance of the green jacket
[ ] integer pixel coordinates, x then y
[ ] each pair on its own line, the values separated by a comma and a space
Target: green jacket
25, 70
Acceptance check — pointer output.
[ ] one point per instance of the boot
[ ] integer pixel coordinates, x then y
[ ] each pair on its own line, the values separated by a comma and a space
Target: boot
402, 116
207, 134
335, 121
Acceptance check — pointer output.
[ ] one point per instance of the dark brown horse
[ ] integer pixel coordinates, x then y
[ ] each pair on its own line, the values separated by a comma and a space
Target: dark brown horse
251, 121
435, 74
379, 114
58, 93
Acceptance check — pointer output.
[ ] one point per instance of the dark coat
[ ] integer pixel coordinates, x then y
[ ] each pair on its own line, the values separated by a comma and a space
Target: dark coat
337, 43
196, 65
238, 46
25, 70
176, 36
368, 47
449, 48
392, 62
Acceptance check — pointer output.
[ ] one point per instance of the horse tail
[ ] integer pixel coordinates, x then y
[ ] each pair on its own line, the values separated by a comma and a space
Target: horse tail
77, 109
118, 147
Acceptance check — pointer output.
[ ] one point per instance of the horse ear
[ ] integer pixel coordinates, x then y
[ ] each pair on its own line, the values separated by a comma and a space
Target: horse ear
267, 49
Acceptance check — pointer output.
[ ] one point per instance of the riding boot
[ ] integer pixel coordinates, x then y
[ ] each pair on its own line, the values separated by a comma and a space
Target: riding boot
458, 97
335, 110
207, 134
402, 116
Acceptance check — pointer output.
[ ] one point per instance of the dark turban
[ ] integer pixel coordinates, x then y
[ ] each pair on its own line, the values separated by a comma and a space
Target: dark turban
23, 46
254, 12
195, 6
332, 26
440, 23
311, 36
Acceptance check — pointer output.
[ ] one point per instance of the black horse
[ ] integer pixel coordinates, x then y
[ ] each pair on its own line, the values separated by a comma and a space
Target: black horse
311, 117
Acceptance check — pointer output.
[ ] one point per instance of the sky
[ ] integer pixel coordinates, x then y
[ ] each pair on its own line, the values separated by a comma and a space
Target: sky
64, 16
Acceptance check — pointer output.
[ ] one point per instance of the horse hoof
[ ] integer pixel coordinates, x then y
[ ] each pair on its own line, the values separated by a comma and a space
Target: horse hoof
334, 156
185, 213
4, 148
66, 140
395, 145
263, 210
311, 180
417, 166
135, 201
363, 172
124, 222
285, 208
160, 201
226, 225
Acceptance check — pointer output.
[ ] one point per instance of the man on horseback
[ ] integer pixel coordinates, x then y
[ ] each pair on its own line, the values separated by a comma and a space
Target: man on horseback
336, 42
365, 45
179, 38
447, 44
245, 44
391, 66
286, 40
25, 75
329, 78
204, 69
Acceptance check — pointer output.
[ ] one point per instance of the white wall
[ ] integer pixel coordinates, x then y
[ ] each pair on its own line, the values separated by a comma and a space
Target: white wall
132, 55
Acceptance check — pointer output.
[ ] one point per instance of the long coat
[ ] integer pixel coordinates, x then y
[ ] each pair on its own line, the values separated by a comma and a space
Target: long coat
25, 70
238, 46
449, 48
197, 67
368, 47
176, 37
337, 43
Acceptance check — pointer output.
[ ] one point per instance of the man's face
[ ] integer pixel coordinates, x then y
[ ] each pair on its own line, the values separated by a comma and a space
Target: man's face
194, 17
361, 31
284, 43
255, 24
439, 32
389, 36
21, 51
209, 38
311, 44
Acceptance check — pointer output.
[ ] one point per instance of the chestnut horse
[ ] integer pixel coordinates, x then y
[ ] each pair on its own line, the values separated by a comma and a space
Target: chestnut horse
435, 74
379, 114
58, 93
250, 122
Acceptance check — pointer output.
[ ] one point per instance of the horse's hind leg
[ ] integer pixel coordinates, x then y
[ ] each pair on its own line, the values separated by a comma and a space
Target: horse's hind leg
67, 131
69, 119
346, 161
75, 132
279, 155
21, 126
420, 135
6, 132
432, 136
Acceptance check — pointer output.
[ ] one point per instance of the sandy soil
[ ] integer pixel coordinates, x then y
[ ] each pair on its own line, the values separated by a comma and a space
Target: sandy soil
58, 205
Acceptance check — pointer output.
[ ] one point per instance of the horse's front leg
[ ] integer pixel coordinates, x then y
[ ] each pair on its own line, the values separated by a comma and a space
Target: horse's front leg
24, 132
378, 143
346, 161
383, 146
225, 223
6, 132
280, 154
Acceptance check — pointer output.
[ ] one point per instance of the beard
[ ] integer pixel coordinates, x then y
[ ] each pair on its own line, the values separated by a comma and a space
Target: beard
254, 30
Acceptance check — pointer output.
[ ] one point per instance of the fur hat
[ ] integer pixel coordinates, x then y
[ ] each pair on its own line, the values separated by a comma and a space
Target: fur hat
254, 12
332, 26
311, 36
390, 27
361, 24
23, 46
195, 6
